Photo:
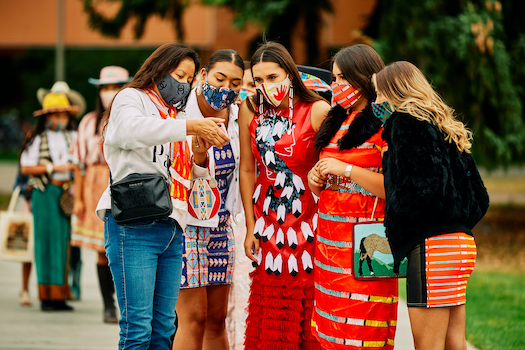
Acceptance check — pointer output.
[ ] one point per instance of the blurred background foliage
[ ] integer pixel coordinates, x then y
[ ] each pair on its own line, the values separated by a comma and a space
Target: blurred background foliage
140, 10
31, 69
473, 52
280, 19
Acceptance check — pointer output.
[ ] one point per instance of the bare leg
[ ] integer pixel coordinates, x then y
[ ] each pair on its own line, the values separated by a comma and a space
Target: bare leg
456, 329
429, 327
24, 298
26, 272
215, 337
191, 313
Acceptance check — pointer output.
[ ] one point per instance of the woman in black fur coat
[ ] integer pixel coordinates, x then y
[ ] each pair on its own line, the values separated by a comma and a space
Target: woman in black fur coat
348, 180
434, 197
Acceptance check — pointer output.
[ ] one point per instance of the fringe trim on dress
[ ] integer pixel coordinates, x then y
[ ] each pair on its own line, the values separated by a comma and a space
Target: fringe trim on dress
279, 314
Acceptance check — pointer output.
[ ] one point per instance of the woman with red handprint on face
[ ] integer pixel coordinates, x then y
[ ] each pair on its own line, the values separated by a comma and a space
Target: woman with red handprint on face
277, 128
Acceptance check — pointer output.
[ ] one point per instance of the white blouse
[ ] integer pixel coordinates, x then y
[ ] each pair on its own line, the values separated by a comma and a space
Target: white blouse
57, 148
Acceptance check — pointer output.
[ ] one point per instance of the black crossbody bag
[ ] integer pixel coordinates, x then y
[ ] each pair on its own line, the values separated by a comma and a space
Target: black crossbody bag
140, 197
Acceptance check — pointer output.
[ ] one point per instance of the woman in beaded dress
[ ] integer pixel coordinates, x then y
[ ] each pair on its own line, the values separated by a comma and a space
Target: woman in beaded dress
277, 129
350, 314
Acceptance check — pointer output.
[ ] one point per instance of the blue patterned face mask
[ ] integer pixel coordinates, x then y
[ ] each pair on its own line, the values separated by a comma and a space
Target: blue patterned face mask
382, 110
218, 97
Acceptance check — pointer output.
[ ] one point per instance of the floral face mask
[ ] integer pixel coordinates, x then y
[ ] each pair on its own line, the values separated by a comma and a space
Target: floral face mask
218, 97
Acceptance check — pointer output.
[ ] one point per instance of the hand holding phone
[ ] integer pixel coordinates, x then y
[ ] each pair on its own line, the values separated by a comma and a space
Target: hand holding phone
223, 128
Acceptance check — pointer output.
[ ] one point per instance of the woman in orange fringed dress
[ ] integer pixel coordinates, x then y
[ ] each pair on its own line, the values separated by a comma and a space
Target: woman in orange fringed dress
278, 131
350, 314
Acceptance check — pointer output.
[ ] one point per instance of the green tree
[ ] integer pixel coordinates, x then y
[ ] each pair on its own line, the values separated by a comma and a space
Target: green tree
473, 52
279, 19
141, 10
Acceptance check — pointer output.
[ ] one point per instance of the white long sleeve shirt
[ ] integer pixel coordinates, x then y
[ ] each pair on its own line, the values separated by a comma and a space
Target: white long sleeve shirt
138, 140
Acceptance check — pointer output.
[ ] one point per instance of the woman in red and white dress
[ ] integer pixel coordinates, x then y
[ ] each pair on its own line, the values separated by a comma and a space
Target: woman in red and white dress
277, 129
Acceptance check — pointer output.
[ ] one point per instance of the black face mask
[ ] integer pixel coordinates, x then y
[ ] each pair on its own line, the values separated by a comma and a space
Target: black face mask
171, 90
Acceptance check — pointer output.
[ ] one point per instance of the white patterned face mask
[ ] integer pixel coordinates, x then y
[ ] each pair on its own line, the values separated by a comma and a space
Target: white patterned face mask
274, 93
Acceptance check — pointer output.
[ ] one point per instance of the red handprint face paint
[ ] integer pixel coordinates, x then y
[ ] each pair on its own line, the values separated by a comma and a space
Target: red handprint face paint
274, 93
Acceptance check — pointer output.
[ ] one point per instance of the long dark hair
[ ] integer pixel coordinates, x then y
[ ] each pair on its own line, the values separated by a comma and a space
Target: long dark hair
357, 63
99, 110
226, 55
275, 52
161, 62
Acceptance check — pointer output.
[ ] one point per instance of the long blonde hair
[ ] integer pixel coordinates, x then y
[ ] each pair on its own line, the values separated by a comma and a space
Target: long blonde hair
406, 88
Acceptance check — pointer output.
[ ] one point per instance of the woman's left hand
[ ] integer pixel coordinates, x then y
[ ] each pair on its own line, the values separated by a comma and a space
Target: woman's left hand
331, 166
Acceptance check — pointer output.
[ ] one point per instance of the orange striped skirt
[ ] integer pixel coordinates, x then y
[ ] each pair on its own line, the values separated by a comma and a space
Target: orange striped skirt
438, 270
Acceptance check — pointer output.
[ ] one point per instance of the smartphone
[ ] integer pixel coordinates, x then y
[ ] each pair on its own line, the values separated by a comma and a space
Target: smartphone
223, 128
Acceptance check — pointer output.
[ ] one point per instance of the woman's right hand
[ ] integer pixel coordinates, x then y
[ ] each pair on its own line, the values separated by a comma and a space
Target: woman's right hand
208, 130
251, 245
199, 147
315, 176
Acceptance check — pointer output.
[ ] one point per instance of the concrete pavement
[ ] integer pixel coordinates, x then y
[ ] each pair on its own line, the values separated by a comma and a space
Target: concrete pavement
28, 328
8, 171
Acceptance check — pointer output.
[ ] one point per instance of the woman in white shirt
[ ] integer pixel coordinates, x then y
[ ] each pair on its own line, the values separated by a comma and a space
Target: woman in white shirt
143, 135
45, 159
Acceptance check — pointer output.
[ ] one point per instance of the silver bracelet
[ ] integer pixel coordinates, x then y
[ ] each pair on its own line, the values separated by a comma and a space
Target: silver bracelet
348, 170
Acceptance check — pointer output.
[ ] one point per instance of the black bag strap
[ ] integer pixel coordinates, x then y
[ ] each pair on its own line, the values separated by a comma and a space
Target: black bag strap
168, 165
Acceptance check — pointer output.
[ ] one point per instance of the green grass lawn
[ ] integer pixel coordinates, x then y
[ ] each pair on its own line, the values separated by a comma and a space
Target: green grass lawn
495, 310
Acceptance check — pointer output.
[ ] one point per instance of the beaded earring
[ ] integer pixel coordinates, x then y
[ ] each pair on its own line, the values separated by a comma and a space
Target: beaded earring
198, 89
290, 100
261, 102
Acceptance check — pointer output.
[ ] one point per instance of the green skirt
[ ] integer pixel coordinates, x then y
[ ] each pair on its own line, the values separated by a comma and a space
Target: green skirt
52, 233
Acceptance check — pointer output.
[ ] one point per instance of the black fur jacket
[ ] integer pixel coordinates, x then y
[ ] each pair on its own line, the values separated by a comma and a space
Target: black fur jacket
431, 188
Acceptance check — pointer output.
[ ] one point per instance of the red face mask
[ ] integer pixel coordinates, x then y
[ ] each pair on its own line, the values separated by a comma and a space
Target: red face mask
344, 95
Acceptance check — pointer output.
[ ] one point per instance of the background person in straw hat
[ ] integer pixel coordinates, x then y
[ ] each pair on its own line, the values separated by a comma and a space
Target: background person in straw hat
76, 99
91, 179
45, 158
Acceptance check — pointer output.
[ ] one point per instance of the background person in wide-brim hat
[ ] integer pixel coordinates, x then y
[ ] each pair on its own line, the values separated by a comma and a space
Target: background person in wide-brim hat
45, 159
91, 179
74, 97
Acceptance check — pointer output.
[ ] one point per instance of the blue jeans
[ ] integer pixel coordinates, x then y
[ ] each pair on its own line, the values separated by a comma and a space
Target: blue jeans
146, 262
